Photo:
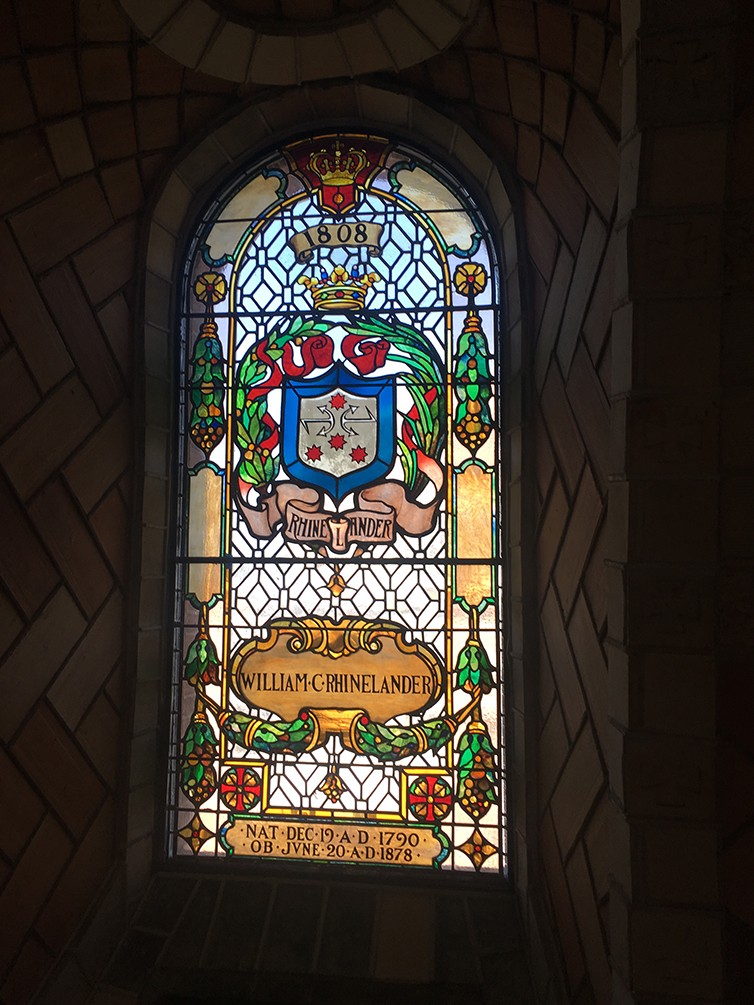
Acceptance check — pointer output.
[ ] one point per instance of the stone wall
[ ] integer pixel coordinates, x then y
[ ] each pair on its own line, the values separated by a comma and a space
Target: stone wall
617, 808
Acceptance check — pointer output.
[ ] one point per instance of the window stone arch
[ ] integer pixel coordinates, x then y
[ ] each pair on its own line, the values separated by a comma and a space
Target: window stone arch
203, 169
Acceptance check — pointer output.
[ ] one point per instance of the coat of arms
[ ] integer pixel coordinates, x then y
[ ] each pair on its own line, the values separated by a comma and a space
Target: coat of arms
339, 429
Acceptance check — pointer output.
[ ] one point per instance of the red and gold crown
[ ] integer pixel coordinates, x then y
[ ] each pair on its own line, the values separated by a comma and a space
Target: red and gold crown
336, 167
339, 291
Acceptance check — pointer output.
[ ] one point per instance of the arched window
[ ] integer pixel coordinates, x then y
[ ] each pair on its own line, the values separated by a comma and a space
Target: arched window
338, 679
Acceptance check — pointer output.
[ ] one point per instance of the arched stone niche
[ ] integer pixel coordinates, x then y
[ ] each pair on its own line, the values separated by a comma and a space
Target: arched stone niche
199, 172
235, 41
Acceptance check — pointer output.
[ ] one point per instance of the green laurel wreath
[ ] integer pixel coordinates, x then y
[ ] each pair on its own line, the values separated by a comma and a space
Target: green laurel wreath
255, 432
425, 376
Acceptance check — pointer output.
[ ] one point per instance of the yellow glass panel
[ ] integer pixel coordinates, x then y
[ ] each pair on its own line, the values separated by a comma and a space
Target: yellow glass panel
474, 533
205, 503
441, 206
249, 204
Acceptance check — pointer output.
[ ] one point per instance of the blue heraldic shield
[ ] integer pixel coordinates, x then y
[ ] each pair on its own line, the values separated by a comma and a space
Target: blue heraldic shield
338, 430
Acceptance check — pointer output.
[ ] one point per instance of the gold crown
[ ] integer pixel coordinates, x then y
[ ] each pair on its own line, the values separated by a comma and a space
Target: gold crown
337, 168
339, 291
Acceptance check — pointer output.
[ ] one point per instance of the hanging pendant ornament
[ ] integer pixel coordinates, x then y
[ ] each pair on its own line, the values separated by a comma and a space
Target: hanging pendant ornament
207, 381
198, 776
473, 667
476, 771
336, 583
202, 663
473, 383
332, 786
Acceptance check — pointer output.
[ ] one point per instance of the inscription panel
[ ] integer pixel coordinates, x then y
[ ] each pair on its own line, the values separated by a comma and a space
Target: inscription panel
334, 842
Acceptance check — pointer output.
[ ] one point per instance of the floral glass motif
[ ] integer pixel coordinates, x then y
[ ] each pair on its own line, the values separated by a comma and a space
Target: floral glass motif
338, 686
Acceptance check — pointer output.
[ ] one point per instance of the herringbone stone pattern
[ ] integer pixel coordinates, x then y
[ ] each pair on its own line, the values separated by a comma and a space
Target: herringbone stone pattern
90, 119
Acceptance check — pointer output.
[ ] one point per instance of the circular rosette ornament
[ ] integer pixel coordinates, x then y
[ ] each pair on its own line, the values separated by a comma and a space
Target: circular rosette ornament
210, 288
430, 798
240, 789
470, 279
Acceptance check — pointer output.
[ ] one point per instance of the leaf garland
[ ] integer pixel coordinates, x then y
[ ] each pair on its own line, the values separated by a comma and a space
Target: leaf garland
256, 432
391, 743
292, 737
424, 382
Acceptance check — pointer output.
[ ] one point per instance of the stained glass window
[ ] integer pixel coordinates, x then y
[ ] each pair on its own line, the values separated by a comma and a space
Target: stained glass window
338, 616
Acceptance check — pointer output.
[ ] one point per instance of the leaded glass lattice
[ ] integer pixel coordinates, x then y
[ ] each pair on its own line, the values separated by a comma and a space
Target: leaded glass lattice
338, 636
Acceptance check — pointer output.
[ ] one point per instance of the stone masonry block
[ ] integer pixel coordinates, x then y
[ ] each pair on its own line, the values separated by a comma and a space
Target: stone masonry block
562, 196
28, 809
564, 433
101, 460
687, 166
578, 787
28, 887
584, 518
669, 777
592, 663
108, 264
24, 311
677, 953
591, 411
673, 437
30, 667
670, 607
552, 314
24, 563
90, 664
54, 81
49, 436
67, 537
590, 53
684, 75
561, 659
676, 254
62, 223
98, 735
589, 925
26, 170
589, 255
80, 881
561, 903
46, 750
676, 864
32, 965
83, 337
555, 32
593, 155
525, 91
